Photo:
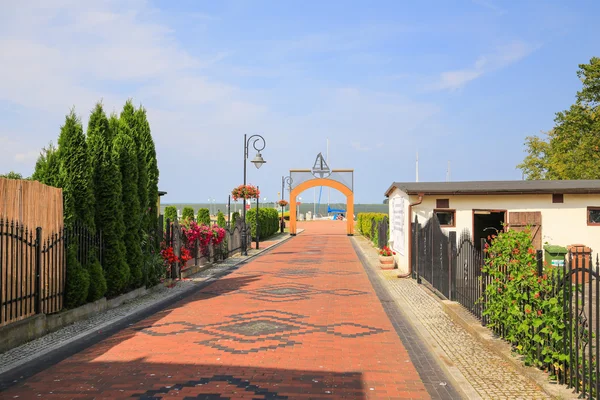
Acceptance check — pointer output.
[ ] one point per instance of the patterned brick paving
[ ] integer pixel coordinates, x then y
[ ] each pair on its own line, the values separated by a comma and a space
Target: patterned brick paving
301, 322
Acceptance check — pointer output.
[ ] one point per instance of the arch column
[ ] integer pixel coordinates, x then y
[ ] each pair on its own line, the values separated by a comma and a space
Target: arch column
328, 183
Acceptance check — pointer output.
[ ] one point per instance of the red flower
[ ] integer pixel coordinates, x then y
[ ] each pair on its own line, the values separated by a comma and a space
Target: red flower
537, 295
539, 313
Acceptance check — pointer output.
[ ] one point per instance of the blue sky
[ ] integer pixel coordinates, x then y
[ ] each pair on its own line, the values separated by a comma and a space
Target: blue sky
459, 81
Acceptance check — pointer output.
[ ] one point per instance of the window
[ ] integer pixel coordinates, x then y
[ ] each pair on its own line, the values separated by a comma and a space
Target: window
558, 198
593, 216
442, 203
446, 217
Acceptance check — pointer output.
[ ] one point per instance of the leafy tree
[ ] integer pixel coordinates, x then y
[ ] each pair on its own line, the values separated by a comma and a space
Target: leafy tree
571, 150
170, 213
47, 167
187, 213
221, 219
109, 215
124, 149
203, 216
77, 280
75, 173
12, 175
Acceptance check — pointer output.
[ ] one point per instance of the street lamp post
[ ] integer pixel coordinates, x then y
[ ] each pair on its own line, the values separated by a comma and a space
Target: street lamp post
284, 180
259, 144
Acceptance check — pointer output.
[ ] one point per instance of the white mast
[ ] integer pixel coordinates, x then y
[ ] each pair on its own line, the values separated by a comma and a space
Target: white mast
417, 167
328, 189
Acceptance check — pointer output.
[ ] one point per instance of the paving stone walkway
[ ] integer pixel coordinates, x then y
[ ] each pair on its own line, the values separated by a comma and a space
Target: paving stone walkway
489, 376
300, 322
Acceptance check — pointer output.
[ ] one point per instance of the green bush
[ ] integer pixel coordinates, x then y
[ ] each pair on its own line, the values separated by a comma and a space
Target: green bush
364, 222
526, 306
98, 287
204, 216
268, 222
187, 214
77, 280
170, 214
221, 219
234, 217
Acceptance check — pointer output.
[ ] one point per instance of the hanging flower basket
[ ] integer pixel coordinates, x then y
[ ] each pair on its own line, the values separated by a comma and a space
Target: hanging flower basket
282, 203
248, 192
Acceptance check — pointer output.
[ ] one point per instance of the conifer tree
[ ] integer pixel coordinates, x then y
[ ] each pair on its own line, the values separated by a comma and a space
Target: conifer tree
109, 215
47, 167
133, 123
125, 152
75, 173
149, 152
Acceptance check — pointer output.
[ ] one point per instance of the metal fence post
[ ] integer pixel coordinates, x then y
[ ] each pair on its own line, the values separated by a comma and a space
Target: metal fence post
452, 265
38, 270
540, 265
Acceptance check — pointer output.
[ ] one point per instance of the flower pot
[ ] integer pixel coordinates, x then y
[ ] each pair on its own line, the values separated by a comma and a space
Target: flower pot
387, 262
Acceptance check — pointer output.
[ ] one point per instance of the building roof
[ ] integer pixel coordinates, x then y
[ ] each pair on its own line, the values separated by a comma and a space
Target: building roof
497, 187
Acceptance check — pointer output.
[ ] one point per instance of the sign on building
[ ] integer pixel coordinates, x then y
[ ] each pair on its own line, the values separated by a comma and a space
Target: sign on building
397, 225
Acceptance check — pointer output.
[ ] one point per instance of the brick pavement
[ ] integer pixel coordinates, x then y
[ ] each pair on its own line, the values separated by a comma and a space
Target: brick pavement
300, 322
488, 375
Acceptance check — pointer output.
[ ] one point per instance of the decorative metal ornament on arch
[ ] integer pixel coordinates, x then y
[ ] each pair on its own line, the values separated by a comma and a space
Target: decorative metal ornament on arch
322, 175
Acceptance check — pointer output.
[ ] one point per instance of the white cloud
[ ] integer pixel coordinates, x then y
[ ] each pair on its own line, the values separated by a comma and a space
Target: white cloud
502, 57
26, 157
55, 55
490, 6
359, 147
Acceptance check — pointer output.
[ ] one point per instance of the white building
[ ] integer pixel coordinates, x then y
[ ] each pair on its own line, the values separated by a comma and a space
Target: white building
559, 212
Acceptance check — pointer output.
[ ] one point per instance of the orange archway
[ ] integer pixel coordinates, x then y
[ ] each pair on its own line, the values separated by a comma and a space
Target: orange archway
329, 183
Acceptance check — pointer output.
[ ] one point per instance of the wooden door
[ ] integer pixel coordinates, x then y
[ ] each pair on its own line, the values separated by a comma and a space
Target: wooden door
520, 221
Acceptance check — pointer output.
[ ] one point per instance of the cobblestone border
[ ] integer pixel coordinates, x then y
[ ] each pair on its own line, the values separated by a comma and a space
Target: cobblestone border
436, 380
468, 322
30, 358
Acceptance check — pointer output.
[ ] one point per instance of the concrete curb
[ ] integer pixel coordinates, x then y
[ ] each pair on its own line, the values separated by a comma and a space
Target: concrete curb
28, 367
468, 322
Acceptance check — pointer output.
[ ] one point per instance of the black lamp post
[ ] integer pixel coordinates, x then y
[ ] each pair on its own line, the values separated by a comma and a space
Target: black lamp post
289, 181
259, 144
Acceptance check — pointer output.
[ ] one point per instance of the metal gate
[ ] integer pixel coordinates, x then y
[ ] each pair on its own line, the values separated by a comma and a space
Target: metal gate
433, 256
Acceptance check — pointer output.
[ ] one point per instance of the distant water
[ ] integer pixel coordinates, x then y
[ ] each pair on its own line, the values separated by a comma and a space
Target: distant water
304, 207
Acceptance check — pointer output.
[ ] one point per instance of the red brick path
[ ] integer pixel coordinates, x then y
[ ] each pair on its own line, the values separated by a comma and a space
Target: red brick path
302, 321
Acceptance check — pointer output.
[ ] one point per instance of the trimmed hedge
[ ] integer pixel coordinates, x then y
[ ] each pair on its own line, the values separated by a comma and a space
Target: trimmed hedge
221, 219
268, 222
364, 221
170, 214
204, 216
187, 214
234, 217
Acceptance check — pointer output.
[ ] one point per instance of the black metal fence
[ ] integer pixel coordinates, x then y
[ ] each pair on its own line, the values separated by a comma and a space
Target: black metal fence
231, 245
574, 285
433, 257
379, 232
33, 268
